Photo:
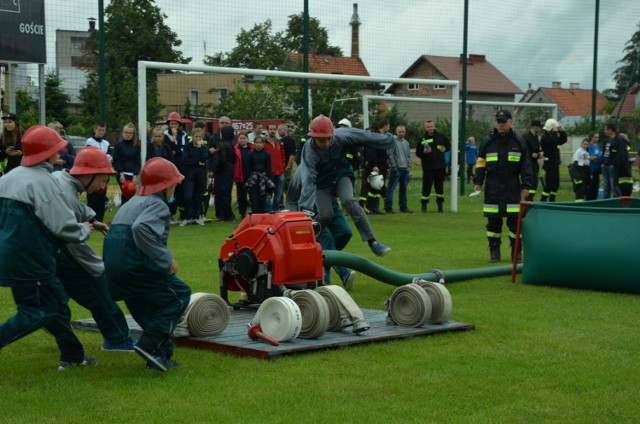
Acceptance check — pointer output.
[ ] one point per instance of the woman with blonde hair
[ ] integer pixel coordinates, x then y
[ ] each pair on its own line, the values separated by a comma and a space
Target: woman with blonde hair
126, 157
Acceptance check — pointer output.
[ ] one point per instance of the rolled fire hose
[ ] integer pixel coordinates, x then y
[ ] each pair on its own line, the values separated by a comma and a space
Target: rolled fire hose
206, 315
441, 304
315, 313
347, 311
280, 318
410, 305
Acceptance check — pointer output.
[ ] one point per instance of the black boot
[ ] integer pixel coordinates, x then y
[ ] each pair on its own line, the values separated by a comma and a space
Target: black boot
424, 207
518, 254
440, 208
494, 249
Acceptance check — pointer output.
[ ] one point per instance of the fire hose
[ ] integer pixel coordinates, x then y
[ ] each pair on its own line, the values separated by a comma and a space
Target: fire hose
206, 315
385, 275
314, 310
343, 310
279, 318
419, 302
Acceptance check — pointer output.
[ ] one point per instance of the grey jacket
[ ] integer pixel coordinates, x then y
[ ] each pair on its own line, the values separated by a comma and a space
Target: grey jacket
83, 254
313, 157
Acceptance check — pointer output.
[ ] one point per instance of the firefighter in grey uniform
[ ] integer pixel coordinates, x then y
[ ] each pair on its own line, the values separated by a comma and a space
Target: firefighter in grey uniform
140, 268
79, 267
34, 222
504, 166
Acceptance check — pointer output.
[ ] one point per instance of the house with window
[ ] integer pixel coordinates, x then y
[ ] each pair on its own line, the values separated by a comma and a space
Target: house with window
484, 82
574, 103
198, 90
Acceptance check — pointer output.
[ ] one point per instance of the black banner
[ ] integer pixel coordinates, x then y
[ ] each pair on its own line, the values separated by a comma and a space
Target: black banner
22, 37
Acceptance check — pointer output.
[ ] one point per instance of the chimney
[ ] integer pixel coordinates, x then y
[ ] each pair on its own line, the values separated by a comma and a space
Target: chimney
477, 58
92, 24
556, 84
574, 85
355, 32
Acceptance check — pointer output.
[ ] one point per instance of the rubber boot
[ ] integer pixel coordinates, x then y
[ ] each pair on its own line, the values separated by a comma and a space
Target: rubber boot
440, 208
518, 254
424, 207
552, 197
494, 249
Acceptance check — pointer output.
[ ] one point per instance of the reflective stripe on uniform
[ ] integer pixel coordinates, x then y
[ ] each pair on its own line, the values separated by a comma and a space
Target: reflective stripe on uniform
491, 208
514, 156
511, 208
492, 157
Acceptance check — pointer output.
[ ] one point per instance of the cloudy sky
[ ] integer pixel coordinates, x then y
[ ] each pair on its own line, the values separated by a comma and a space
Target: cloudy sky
534, 41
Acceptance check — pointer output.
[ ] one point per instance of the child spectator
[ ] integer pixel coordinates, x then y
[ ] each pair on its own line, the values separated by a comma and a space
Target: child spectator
79, 267
223, 162
579, 171
241, 171
126, 157
35, 220
471, 156
140, 268
194, 161
259, 183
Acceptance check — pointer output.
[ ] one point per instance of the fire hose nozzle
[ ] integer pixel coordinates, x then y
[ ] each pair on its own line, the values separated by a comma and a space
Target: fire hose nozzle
255, 333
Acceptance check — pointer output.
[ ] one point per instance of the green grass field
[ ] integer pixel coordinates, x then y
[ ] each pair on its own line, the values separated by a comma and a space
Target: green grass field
538, 354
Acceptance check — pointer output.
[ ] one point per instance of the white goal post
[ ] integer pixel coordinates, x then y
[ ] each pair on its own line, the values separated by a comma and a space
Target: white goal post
455, 96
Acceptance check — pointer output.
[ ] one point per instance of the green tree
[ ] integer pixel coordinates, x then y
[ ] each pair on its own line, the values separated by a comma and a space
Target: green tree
27, 108
629, 62
57, 101
134, 30
293, 40
256, 48
261, 101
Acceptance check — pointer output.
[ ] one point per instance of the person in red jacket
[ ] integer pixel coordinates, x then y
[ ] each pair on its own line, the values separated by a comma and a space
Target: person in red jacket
274, 147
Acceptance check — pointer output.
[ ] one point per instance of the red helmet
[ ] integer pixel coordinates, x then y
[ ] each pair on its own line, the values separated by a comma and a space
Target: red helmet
128, 189
158, 174
174, 116
90, 161
321, 126
39, 143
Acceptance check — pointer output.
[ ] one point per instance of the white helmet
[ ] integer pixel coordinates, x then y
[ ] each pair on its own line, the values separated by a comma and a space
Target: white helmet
550, 124
346, 122
376, 181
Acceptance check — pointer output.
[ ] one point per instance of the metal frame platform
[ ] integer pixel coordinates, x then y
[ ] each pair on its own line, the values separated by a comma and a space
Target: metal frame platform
234, 338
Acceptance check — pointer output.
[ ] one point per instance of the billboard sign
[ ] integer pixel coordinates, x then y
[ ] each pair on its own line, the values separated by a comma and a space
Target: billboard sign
22, 38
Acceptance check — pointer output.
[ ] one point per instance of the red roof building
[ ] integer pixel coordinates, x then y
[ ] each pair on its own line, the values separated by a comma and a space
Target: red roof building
572, 101
482, 77
322, 64
631, 102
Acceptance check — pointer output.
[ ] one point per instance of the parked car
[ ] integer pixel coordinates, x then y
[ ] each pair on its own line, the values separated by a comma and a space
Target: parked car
77, 141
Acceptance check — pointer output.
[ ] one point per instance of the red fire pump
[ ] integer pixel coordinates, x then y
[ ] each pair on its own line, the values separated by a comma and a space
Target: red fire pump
268, 252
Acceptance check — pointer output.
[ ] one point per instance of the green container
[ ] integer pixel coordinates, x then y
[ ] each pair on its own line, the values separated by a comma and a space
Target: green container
585, 245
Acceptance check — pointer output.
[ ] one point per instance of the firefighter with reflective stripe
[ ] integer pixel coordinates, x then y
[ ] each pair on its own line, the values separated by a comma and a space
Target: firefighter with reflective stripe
552, 138
579, 171
431, 152
533, 144
616, 161
504, 166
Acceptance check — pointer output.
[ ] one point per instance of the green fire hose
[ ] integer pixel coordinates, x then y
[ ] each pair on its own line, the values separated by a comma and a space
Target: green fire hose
385, 275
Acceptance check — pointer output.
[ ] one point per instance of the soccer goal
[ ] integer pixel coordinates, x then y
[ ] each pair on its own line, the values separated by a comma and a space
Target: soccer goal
143, 66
